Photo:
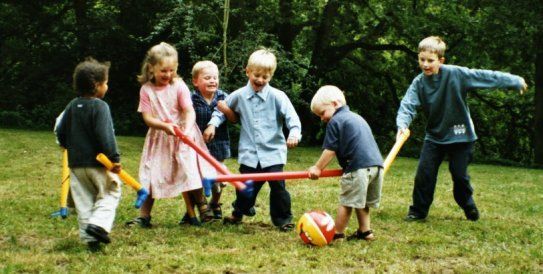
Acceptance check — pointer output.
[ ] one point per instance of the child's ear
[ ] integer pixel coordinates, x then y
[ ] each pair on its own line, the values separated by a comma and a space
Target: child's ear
442, 60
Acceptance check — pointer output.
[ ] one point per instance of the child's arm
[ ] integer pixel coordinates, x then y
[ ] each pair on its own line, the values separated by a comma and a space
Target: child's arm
156, 123
189, 119
479, 79
326, 156
292, 121
408, 107
227, 111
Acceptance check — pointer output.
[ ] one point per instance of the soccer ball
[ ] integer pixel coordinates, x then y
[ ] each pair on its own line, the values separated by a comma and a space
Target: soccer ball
316, 227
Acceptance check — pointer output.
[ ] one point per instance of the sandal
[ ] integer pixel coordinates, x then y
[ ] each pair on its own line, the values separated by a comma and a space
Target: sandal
217, 211
143, 222
205, 214
286, 227
186, 220
359, 235
339, 236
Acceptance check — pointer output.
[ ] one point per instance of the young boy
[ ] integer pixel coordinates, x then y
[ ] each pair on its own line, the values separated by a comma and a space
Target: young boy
349, 137
262, 110
205, 79
86, 129
441, 90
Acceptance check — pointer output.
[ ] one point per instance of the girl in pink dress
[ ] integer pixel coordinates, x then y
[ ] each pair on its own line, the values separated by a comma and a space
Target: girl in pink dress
168, 167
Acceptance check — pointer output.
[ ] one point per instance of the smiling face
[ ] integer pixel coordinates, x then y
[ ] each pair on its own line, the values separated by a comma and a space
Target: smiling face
207, 81
165, 71
258, 78
429, 62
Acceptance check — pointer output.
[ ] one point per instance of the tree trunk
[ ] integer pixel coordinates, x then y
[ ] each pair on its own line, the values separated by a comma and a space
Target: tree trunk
538, 116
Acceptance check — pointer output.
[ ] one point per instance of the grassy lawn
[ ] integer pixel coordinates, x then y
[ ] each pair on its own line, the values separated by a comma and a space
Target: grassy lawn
508, 237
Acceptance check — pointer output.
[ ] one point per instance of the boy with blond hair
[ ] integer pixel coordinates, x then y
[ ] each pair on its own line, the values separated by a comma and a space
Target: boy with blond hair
206, 94
262, 111
441, 90
349, 138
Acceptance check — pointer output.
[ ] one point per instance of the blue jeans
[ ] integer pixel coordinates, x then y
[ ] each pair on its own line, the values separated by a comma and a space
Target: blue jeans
431, 157
280, 204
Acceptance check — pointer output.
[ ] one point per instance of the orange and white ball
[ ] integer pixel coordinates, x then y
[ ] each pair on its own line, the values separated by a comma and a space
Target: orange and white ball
316, 227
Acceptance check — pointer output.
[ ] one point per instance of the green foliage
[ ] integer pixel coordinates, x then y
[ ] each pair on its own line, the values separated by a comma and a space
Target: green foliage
507, 238
367, 48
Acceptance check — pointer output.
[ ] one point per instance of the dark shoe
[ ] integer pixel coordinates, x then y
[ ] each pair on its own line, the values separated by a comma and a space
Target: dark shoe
231, 220
472, 214
250, 212
143, 222
286, 227
359, 235
217, 211
94, 246
414, 218
98, 233
339, 236
190, 221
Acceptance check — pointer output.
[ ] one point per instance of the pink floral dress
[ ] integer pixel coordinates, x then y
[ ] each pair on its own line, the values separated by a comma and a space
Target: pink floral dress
169, 167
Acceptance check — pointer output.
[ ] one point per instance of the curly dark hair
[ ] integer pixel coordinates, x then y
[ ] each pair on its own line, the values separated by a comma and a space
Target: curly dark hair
87, 74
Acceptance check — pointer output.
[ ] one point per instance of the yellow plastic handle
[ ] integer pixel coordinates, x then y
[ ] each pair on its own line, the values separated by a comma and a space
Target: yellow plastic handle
127, 179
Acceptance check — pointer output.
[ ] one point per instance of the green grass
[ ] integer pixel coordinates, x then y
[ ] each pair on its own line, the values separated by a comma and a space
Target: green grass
507, 238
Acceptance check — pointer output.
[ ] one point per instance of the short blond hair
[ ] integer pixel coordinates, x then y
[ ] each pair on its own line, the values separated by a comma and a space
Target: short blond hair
326, 95
433, 44
262, 59
201, 65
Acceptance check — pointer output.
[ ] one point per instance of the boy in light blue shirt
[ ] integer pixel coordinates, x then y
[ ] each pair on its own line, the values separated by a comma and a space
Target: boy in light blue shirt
441, 91
262, 111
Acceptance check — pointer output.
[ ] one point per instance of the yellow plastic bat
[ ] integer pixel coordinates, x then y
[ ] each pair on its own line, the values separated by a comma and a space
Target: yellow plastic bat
127, 179
395, 149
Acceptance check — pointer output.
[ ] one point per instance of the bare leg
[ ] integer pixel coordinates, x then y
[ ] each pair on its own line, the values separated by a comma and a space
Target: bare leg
364, 220
342, 218
145, 210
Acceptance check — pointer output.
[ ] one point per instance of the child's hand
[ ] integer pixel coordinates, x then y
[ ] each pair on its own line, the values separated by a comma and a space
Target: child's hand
314, 173
168, 128
401, 131
523, 85
292, 142
117, 167
209, 133
222, 106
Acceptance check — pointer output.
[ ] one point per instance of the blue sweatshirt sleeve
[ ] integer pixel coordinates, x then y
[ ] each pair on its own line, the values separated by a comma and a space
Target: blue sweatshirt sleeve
482, 79
105, 132
408, 106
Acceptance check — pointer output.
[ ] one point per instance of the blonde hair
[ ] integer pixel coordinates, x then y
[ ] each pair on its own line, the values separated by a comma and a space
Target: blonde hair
326, 95
156, 55
201, 65
262, 59
433, 44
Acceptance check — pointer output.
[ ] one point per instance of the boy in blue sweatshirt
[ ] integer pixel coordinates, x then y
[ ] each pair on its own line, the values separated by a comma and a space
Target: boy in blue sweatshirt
441, 91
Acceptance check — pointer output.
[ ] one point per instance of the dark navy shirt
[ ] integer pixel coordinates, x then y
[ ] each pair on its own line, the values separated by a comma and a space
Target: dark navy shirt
86, 129
219, 147
350, 137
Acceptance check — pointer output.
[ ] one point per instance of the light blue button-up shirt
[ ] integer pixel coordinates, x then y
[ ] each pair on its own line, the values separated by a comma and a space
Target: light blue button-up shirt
262, 116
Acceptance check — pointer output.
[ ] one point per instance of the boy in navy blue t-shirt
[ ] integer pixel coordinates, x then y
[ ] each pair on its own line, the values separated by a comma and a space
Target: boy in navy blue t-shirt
349, 137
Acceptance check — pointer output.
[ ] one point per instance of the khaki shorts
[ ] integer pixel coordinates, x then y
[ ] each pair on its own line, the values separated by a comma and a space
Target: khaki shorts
362, 188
